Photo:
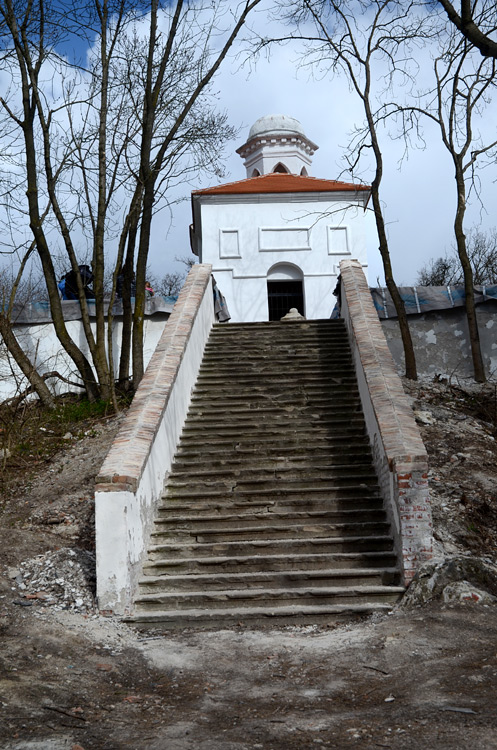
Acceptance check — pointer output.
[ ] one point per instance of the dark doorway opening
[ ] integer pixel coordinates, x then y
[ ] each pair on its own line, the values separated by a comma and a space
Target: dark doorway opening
283, 295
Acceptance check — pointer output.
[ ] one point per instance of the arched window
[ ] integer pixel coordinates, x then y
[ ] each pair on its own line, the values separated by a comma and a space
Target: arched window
281, 168
256, 173
303, 172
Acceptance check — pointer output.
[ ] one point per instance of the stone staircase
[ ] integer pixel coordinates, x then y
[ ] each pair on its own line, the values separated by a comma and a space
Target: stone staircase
271, 513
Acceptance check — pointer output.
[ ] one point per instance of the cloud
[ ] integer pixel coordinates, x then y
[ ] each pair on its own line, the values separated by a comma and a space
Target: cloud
419, 198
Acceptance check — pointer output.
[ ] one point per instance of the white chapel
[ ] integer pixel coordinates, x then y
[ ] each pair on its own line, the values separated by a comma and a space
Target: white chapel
276, 238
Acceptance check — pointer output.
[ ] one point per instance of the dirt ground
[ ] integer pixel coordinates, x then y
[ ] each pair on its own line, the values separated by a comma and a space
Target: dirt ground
424, 676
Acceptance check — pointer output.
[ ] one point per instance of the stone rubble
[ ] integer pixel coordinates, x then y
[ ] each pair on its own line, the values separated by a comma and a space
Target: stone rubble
64, 579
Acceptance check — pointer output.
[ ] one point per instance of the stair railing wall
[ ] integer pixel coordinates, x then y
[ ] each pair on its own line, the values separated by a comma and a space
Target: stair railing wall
399, 455
131, 479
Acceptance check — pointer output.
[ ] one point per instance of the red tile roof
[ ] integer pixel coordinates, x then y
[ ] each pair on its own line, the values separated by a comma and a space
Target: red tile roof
278, 182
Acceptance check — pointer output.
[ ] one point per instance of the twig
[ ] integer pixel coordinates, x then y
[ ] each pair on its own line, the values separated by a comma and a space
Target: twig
63, 711
15, 400
376, 669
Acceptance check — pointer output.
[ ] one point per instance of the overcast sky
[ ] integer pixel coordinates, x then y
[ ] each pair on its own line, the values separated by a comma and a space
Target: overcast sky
419, 200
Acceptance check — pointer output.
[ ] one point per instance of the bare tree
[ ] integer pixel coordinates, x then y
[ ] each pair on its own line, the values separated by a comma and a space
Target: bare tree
352, 37
439, 272
464, 84
170, 284
187, 260
476, 21
106, 148
8, 289
184, 27
482, 253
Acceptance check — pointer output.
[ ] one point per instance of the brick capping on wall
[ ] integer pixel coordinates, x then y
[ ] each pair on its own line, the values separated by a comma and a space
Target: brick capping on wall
124, 464
131, 480
400, 456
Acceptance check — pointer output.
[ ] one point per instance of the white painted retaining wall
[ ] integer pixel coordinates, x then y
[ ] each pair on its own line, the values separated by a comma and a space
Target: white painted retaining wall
131, 479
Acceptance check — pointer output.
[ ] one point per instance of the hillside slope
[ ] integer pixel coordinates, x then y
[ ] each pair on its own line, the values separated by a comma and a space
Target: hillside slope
71, 679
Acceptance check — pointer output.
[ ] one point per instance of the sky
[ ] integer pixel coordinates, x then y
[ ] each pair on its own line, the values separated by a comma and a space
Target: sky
419, 199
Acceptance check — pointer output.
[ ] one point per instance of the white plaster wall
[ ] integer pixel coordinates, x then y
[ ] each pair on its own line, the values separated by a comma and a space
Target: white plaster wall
123, 519
441, 341
233, 238
41, 344
293, 159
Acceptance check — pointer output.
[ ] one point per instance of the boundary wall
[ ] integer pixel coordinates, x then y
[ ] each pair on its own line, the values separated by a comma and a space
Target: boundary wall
35, 332
130, 482
442, 344
399, 455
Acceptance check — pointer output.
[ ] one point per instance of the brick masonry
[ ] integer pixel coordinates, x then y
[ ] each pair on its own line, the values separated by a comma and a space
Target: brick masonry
400, 456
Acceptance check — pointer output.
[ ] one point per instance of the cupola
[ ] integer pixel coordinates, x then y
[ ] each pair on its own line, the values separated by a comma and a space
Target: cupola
277, 143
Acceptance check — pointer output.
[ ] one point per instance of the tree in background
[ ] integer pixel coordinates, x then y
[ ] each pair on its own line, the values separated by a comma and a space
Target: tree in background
482, 255
96, 148
464, 84
170, 284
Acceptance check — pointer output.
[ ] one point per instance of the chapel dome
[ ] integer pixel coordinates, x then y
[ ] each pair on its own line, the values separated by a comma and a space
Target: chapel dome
277, 124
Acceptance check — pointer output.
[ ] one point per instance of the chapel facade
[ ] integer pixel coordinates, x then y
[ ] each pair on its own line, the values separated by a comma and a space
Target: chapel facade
275, 239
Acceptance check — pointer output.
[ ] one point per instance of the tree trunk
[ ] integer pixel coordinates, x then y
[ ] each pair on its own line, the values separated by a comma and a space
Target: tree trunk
25, 364
409, 357
107, 388
141, 269
126, 337
474, 335
28, 75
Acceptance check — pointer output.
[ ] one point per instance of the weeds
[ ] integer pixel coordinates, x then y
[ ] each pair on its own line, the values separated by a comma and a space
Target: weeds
30, 434
478, 401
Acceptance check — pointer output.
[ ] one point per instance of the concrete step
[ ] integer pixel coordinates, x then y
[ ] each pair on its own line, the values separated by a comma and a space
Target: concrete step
273, 413
253, 357
280, 467
290, 493
166, 518
269, 530
243, 463
325, 387
247, 402
269, 485
311, 561
151, 584
268, 444
272, 598
260, 332
254, 616
287, 368
283, 427
253, 547
225, 479
267, 448
265, 505
277, 378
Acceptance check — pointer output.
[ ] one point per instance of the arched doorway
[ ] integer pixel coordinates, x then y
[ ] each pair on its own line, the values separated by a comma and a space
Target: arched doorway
285, 289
